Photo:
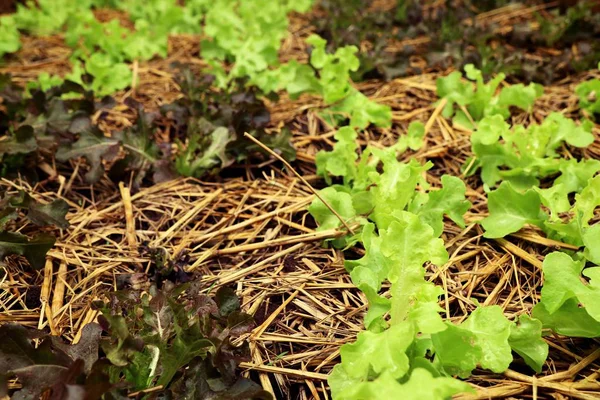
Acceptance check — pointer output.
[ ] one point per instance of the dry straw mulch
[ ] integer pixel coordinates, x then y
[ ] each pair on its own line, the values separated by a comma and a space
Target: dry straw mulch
253, 232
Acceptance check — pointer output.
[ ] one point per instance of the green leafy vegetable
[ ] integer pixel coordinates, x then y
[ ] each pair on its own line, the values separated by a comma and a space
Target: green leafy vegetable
394, 187
569, 304
520, 157
249, 33
108, 77
589, 96
330, 78
482, 100
101, 48
450, 201
415, 135
406, 332
378, 352
524, 155
409, 243
577, 230
341, 202
334, 81
420, 385
526, 340
562, 282
342, 160
11, 40
334, 68
511, 210
569, 320
480, 340
486, 339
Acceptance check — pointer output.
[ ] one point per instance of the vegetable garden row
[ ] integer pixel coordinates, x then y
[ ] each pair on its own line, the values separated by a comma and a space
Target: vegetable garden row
271, 227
